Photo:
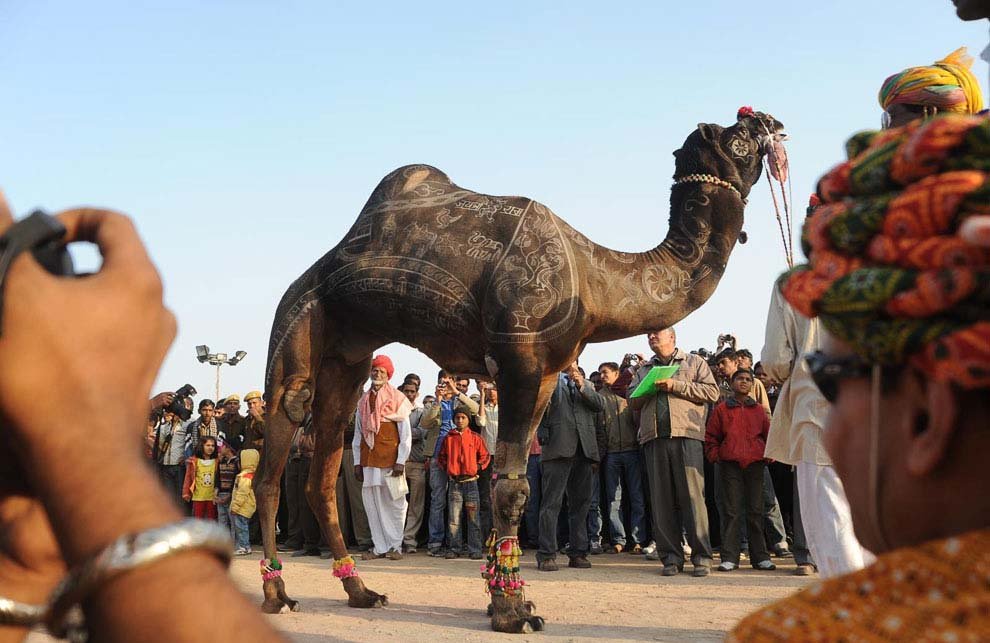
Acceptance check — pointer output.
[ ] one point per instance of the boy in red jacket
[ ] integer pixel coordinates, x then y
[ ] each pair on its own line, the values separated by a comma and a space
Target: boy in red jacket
463, 456
735, 438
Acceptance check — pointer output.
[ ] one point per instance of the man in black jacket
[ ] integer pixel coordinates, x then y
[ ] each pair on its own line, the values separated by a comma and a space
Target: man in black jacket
571, 441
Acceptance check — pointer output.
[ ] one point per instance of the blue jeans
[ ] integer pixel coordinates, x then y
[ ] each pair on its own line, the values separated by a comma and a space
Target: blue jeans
241, 538
225, 518
438, 502
595, 510
622, 469
463, 495
532, 515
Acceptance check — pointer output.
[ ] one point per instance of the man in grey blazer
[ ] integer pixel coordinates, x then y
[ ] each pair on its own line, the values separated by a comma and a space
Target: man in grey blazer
570, 438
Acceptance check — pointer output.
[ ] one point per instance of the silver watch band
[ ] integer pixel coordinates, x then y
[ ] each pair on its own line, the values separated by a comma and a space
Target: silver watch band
16, 613
129, 552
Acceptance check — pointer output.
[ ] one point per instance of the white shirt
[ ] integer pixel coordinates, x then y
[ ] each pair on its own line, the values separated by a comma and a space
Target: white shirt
375, 476
799, 417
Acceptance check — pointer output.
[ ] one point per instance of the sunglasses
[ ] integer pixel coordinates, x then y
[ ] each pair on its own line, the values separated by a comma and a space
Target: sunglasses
826, 371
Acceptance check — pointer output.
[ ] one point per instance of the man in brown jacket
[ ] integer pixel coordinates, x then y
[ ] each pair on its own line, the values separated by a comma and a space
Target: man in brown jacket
672, 432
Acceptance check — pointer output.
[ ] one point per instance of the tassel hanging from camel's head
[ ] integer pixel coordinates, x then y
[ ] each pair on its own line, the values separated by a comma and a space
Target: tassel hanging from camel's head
778, 169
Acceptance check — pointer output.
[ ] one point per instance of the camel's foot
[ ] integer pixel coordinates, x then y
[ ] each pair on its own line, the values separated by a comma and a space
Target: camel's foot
360, 596
513, 615
276, 600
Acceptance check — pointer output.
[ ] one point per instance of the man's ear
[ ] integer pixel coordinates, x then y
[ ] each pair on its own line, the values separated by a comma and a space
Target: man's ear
935, 421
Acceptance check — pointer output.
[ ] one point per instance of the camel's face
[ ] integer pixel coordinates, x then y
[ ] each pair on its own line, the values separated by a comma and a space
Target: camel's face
734, 153
748, 141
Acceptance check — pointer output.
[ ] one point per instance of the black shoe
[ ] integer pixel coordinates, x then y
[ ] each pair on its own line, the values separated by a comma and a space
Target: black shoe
437, 552
284, 548
805, 569
596, 549
579, 562
700, 571
476, 556
672, 569
451, 554
326, 555
547, 565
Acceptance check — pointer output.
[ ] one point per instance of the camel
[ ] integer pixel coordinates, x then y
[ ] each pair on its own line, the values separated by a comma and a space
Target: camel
488, 287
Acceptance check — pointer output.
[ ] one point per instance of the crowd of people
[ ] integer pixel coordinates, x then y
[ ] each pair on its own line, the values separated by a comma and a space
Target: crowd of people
607, 474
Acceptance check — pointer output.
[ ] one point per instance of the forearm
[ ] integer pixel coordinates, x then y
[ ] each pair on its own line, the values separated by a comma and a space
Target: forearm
85, 522
468, 402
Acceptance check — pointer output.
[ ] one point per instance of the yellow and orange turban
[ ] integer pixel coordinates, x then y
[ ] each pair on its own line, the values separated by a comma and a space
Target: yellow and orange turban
887, 272
948, 85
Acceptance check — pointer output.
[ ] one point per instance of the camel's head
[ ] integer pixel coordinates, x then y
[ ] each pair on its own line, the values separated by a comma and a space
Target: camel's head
734, 154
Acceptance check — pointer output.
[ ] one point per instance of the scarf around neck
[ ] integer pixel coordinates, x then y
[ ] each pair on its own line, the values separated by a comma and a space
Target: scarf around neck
389, 404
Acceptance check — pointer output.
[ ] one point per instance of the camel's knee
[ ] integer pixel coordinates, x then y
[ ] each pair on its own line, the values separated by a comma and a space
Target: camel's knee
296, 398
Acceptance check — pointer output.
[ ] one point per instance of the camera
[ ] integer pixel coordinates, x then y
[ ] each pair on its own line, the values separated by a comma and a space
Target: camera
632, 359
178, 405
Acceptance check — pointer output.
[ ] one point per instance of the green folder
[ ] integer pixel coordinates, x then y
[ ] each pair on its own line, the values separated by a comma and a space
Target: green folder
646, 387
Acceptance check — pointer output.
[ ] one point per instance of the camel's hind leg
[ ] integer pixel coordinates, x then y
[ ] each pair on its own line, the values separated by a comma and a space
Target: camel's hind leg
520, 412
338, 387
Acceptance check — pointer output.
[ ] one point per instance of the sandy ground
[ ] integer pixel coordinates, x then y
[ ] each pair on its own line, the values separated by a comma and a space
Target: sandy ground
622, 598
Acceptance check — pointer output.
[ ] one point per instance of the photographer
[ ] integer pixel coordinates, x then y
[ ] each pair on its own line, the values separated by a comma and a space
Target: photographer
56, 517
174, 441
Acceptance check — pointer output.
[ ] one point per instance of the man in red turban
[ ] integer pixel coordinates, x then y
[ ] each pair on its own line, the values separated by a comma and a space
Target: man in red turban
382, 441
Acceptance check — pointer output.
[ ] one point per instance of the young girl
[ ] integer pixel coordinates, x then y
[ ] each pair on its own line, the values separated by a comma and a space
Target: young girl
200, 484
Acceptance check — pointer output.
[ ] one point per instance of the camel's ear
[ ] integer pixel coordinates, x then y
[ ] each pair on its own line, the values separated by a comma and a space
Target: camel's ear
707, 132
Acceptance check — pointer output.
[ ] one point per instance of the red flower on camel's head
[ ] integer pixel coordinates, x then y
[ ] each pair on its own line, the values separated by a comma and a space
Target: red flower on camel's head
744, 111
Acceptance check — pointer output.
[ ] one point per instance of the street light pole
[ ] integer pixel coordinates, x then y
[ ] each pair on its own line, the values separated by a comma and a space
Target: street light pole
204, 356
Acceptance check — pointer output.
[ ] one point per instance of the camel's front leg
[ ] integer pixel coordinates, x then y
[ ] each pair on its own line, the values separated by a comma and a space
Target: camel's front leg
509, 609
522, 407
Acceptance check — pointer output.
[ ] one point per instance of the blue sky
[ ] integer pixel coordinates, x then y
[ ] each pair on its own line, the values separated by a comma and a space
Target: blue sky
244, 137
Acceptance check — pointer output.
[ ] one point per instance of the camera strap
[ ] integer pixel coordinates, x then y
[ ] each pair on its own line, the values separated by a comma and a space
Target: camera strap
32, 232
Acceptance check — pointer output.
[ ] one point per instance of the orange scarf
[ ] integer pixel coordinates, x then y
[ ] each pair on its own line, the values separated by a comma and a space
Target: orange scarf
389, 404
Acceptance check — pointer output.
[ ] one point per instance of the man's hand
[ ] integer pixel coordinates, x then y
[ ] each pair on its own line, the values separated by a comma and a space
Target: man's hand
161, 400
398, 469
359, 472
75, 350
594, 467
578, 379
666, 385
256, 413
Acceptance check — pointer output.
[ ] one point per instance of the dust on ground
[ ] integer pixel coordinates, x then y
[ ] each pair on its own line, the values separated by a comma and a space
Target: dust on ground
621, 598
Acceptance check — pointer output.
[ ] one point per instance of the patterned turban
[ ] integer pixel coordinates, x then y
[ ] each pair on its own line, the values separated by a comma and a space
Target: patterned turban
887, 272
948, 85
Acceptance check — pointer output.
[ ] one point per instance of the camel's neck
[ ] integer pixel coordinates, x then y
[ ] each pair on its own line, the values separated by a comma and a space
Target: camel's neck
657, 288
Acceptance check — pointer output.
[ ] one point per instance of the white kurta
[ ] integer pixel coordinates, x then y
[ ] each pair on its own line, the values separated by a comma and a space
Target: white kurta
386, 515
796, 438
